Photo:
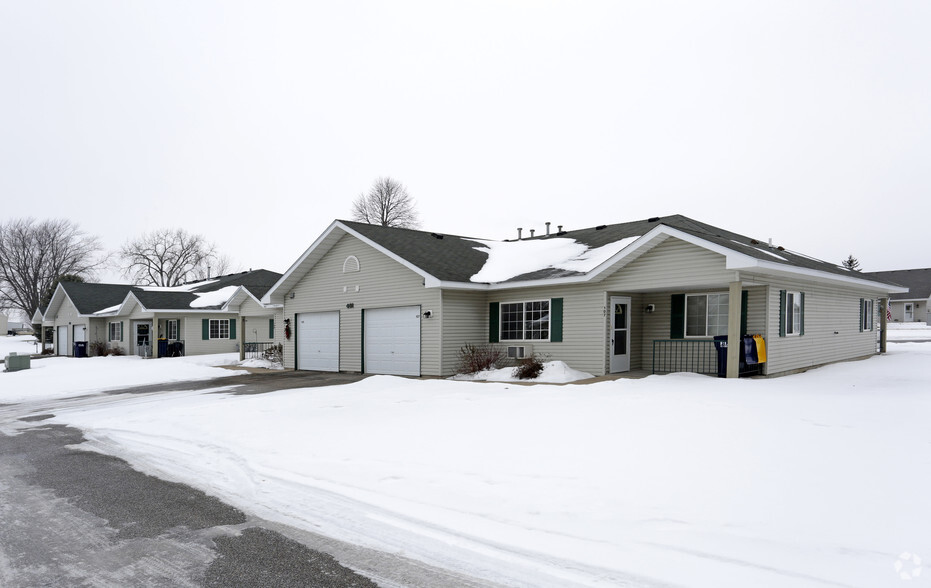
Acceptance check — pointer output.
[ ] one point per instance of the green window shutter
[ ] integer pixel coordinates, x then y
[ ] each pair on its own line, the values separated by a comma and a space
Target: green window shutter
782, 313
801, 321
205, 329
862, 304
232, 328
556, 320
494, 316
121, 330
271, 329
744, 297
677, 317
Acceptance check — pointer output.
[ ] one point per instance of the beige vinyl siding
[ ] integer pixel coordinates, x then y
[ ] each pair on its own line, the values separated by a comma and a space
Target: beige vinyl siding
257, 317
462, 316
832, 328
67, 316
671, 265
192, 330
382, 283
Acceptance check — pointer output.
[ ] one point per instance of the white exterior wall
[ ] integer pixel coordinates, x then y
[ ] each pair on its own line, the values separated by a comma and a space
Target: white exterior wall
462, 313
832, 328
68, 316
257, 317
382, 282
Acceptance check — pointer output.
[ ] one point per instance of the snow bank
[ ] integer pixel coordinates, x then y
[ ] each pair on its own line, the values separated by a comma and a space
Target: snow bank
60, 377
554, 372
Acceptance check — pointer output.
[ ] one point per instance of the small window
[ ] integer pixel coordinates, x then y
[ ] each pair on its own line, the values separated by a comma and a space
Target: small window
793, 313
351, 264
706, 315
866, 315
219, 328
171, 329
525, 321
116, 331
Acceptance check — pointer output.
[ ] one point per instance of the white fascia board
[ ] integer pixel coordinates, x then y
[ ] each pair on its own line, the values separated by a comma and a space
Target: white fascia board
288, 279
54, 303
773, 268
37, 315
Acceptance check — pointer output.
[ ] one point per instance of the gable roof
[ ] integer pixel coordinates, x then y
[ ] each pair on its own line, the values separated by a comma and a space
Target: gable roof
109, 299
453, 261
918, 282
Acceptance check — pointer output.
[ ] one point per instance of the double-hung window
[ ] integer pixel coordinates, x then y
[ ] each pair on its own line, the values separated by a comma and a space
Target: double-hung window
793, 318
866, 315
522, 321
116, 331
219, 328
171, 329
706, 315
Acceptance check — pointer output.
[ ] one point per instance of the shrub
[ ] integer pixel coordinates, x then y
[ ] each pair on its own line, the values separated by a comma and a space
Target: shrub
99, 349
529, 367
477, 358
275, 353
116, 350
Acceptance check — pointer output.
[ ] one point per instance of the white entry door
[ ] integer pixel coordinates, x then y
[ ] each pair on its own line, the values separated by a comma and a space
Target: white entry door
909, 312
61, 342
620, 334
318, 341
392, 341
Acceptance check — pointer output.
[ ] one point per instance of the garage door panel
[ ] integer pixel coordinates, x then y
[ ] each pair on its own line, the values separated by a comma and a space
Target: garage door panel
318, 341
392, 341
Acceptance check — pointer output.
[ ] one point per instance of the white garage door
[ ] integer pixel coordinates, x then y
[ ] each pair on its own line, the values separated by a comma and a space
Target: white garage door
392, 341
318, 341
62, 342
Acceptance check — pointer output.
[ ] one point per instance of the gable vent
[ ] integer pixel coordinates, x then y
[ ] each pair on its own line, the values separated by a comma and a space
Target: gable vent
351, 264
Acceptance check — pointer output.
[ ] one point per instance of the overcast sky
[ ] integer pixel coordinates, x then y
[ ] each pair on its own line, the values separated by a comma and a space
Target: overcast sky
257, 123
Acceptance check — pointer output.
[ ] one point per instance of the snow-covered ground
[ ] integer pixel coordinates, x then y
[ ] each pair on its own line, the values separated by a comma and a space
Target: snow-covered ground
815, 479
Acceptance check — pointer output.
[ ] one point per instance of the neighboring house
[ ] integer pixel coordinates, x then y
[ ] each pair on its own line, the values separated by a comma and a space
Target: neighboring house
217, 315
3, 325
913, 305
366, 298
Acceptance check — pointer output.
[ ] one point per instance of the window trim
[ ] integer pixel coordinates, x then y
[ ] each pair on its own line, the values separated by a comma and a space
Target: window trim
523, 322
119, 333
685, 313
791, 330
219, 329
866, 314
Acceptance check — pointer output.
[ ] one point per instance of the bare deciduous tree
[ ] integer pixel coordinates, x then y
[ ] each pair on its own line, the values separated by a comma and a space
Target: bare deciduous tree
34, 255
171, 257
387, 203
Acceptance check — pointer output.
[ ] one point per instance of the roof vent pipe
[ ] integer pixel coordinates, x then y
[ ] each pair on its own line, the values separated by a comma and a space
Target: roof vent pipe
547, 228
519, 229
770, 242
558, 228
532, 231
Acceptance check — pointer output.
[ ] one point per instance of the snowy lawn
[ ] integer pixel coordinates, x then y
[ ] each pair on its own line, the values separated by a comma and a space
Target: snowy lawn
909, 332
816, 479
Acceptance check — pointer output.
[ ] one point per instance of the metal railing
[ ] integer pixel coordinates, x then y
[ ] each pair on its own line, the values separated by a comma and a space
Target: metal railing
685, 355
256, 350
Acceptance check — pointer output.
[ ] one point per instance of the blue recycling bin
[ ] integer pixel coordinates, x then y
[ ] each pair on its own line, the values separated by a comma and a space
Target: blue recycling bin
80, 349
720, 343
163, 347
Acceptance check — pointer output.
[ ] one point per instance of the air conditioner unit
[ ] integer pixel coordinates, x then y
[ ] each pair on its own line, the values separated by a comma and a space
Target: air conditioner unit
519, 351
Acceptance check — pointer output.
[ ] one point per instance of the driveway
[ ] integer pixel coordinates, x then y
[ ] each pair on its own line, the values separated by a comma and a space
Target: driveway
76, 518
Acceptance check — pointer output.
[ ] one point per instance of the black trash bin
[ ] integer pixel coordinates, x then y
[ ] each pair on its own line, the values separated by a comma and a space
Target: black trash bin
176, 349
80, 348
163, 347
720, 343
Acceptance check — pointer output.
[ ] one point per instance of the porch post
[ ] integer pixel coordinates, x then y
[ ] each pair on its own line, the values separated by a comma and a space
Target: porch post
153, 336
882, 323
733, 330
242, 340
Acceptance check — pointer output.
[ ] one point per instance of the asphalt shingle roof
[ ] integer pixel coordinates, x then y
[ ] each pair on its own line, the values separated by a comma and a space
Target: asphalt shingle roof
91, 298
455, 258
918, 282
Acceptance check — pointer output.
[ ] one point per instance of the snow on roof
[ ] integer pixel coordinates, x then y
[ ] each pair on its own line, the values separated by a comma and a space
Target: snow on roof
108, 310
764, 249
508, 259
214, 298
182, 288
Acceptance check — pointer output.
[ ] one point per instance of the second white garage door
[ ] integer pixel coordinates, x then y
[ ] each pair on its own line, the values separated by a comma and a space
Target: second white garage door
318, 341
392, 341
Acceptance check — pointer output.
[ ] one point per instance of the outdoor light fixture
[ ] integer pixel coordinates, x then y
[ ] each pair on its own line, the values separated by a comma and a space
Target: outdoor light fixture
350, 305
649, 308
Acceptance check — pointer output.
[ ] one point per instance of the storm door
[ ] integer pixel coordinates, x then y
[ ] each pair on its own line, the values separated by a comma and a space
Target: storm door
620, 334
